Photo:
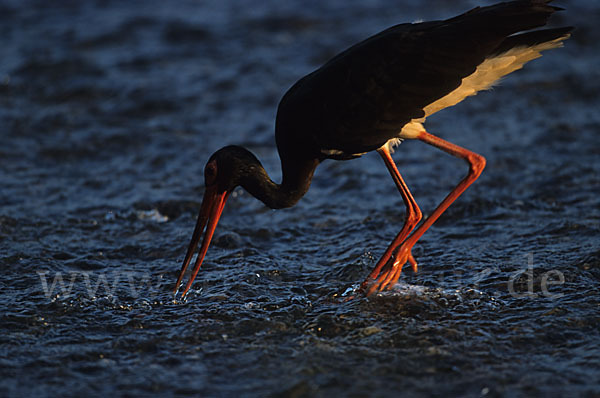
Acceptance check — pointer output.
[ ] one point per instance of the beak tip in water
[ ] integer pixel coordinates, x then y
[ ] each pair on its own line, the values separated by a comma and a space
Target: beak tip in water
210, 212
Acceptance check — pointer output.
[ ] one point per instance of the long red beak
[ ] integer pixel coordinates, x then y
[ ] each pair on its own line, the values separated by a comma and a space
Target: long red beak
210, 211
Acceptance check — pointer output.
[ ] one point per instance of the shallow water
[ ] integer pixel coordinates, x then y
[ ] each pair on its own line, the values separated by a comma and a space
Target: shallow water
108, 112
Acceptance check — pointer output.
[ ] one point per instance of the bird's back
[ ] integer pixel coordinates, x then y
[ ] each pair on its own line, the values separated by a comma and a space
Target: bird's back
363, 97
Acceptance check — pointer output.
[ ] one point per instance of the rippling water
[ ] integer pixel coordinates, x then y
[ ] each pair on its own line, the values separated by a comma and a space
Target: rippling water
108, 113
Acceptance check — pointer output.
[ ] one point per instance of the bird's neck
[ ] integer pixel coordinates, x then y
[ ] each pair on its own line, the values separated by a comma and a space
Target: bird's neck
297, 175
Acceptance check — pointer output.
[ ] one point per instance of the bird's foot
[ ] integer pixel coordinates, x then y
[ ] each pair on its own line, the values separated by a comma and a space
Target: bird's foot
390, 274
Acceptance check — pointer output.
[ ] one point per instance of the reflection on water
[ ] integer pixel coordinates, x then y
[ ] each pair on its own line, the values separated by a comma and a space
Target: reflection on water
109, 111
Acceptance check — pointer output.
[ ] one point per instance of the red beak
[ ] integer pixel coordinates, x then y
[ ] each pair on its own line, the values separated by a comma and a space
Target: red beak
210, 212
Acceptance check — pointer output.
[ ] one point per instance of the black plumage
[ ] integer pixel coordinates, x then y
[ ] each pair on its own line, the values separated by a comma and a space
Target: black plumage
362, 97
365, 97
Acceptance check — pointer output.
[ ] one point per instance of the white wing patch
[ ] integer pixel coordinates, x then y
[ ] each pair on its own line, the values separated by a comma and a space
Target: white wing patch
489, 72
332, 152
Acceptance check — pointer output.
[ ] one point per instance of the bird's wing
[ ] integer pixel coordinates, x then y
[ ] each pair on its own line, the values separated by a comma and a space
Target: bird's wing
365, 95
509, 57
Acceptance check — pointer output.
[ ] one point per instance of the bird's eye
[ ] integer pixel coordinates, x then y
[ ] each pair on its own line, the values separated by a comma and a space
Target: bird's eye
210, 172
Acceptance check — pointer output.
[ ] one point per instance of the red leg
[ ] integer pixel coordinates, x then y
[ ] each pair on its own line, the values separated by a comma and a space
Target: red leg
476, 164
413, 216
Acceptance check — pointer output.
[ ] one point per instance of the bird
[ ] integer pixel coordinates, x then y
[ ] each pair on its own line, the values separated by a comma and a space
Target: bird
371, 97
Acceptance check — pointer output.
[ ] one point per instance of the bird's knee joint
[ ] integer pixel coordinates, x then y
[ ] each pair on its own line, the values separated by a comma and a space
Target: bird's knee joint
476, 163
416, 216
413, 217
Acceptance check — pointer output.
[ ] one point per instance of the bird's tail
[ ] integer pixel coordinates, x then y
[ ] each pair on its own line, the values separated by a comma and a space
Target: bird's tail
545, 39
509, 17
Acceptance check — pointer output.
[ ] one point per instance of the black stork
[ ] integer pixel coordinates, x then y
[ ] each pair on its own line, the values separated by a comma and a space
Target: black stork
372, 96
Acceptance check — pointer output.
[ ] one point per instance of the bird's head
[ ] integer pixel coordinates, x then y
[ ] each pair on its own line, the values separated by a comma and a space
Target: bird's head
225, 170
229, 167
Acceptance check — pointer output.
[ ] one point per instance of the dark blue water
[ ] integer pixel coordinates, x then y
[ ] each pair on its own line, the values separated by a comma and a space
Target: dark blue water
108, 113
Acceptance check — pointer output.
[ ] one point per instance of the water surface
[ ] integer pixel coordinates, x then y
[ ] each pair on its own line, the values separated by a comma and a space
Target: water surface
108, 113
